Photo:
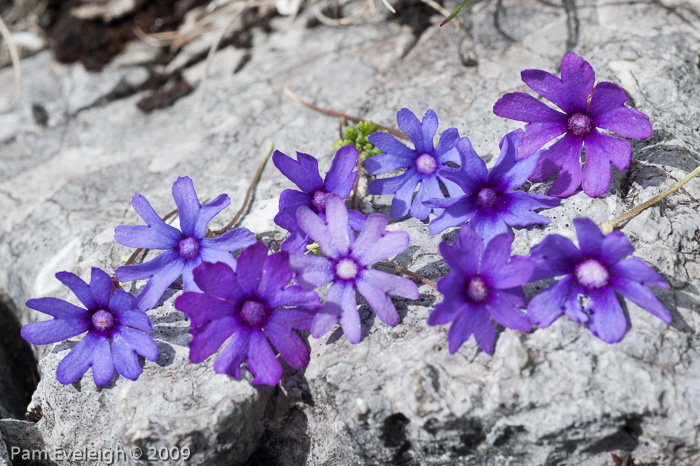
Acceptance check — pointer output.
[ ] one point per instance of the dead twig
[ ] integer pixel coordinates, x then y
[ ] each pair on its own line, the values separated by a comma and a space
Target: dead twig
408, 272
14, 55
388, 129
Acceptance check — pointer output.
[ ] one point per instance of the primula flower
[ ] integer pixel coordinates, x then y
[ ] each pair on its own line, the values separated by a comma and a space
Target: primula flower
346, 266
114, 324
479, 288
489, 204
184, 250
586, 108
253, 304
422, 164
304, 173
596, 271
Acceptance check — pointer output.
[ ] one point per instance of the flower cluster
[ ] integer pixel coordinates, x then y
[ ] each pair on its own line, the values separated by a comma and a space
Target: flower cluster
261, 302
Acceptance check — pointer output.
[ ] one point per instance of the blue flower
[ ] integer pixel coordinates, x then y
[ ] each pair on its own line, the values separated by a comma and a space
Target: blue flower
422, 164
116, 329
184, 250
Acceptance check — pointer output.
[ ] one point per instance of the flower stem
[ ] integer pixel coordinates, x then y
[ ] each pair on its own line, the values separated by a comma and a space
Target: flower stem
252, 186
607, 227
408, 272
388, 129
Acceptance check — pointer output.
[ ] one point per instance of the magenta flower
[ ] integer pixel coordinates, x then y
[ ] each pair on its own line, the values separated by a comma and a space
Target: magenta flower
304, 173
346, 266
422, 164
184, 250
597, 271
116, 329
586, 109
479, 288
251, 306
489, 202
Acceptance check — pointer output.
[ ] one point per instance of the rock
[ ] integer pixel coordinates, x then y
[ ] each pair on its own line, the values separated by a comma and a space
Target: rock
105, 10
546, 397
4, 456
27, 43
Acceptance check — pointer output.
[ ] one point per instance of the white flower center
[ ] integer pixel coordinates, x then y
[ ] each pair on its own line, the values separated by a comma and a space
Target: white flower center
426, 164
592, 274
346, 269
477, 289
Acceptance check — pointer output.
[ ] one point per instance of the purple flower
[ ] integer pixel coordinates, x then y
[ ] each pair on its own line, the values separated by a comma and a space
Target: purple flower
422, 164
479, 288
253, 304
114, 324
347, 268
597, 271
489, 204
340, 180
586, 108
184, 250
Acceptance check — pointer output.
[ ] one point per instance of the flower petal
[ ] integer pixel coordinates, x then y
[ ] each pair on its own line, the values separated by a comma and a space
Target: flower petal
377, 286
464, 255
159, 282
505, 313
296, 241
102, 362
614, 247
250, 268
374, 243
388, 144
445, 150
311, 271
340, 298
483, 329
144, 271
589, 236
509, 173
569, 93
461, 328
607, 321
57, 308
126, 310
207, 213
500, 270
472, 172
78, 361
188, 205
213, 256
488, 224
230, 359
262, 361
458, 211
157, 234
535, 135
218, 279
188, 283
404, 195
208, 337
523, 107
553, 301
625, 121
54, 330
641, 296
555, 255
297, 318
447, 310
337, 220
519, 208
637, 270
384, 163
303, 172
231, 241
341, 177
127, 344
290, 200
318, 230
602, 151
564, 156
409, 124
288, 345
81, 289
276, 275
429, 126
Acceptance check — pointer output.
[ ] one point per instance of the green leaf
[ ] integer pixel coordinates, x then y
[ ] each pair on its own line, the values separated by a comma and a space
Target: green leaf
456, 12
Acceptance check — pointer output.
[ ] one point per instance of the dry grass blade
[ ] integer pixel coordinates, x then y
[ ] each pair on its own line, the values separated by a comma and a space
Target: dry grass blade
388, 6
439, 8
14, 55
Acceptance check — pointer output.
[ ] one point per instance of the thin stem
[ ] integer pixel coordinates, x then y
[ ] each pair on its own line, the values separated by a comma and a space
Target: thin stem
252, 186
408, 272
607, 227
388, 129
14, 56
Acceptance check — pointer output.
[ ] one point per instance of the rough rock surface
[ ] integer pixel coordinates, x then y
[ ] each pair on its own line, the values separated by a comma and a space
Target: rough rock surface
554, 396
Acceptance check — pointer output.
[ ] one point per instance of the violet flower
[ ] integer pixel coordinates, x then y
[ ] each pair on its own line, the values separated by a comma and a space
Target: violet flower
184, 250
586, 108
340, 180
346, 266
479, 288
253, 304
116, 329
490, 204
596, 271
422, 164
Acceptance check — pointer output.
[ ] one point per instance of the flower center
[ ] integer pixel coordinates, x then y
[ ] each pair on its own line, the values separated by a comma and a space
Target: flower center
580, 124
189, 248
253, 313
487, 198
102, 320
319, 201
346, 269
426, 164
592, 274
477, 289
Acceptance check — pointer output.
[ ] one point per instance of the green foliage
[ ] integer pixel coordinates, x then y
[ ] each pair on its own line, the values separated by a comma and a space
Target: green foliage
358, 137
456, 12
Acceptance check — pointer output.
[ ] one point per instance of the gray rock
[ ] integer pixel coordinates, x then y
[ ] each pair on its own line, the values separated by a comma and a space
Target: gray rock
4, 456
547, 397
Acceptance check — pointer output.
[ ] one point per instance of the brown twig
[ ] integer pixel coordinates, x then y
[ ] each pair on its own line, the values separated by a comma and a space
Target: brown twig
408, 272
388, 129
254, 183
